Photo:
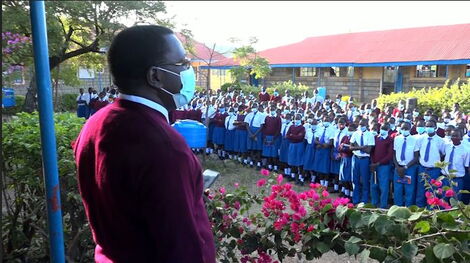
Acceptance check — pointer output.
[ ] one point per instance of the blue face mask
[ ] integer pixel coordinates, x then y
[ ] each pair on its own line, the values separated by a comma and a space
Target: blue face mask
188, 82
427, 118
314, 127
421, 130
374, 133
363, 128
430, 130
405, 132
298, 122
326, 124
276, 94
392, 127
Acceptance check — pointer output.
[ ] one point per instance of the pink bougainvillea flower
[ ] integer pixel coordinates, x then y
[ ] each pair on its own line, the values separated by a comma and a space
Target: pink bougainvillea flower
325, 193
429, 195
236, 185
236, 205
222, 190
436, 183
261, 182
310, 228
265, 172
433, 201
279, 179
315, 186
450, 193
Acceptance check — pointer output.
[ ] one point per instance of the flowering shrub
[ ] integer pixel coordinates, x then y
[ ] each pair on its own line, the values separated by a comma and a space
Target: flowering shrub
14, 52
278, 222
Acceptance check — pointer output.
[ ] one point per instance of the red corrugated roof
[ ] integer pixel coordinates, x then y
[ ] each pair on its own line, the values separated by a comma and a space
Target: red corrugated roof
202, 52
450, 42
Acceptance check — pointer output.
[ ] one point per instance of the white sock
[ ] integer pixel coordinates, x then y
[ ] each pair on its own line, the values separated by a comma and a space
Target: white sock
239, 159
313, 178
251, 163
346, 192
336, 187
351, 193
289, 170
322, 182
343, 189
211, 151
245, 161
219, 152
270, 167
301, 178
285, 171
292, 175
326, 183
275, 167
258, 164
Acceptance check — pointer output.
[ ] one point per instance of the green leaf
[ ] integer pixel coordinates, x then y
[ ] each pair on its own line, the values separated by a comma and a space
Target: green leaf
409, 250
422, 227
399, 212
378, 254
382, 224
354, 239
341, 211
323, 247
464, 192
351, 248
429, 256
415, 216
355, 219
442, 250
373, 217
364, 256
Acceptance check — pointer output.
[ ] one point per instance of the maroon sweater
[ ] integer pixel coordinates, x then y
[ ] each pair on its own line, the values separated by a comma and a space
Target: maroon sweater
343, 150
141, 187
264, 97
272, 126
219, 119
383, 150
296, 134
194, 115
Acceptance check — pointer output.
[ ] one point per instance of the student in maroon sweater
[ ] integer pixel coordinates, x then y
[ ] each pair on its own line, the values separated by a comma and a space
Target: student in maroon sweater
381, 167
263, 95
140, 183
271, 138
276, 97
194, 113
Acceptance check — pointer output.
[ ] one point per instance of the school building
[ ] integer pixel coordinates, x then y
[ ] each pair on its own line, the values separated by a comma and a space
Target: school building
367, 64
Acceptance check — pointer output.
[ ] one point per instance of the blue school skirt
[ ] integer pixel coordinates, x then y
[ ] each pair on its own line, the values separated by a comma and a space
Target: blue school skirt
211, 131
82, 111
240, 141
309, 157
284, 150
271, 146
229, 143
218, 135
345, 169
257, 144
322, 160
296, 154
334, 167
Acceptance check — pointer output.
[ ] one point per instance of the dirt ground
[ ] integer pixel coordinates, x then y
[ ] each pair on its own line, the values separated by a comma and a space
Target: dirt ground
232, 172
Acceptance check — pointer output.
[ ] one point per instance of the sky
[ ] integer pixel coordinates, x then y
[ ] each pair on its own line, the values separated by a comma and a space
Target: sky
277, 23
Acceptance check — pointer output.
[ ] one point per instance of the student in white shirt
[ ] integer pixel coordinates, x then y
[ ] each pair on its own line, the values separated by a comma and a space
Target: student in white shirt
229, 139
309, 155
340, 132
254, 121
323, 141
362, 142
458, 158
431, 148
406, 157
83, 99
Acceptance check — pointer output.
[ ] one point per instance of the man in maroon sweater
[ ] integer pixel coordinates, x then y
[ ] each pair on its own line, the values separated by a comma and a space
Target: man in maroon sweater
140, 183
381, 167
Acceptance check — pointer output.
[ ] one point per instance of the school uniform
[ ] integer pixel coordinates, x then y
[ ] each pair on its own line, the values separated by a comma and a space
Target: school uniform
158, 226
240, 135
194, 114
430, 151
218, 136
255, 120
360, 164
264, 96
405, 188
309, 154
458, 159
296, 135
335, 155
271, 136
210, 114
82, 108
466, 179
285, 143
380, 182
323, 155
277, 99
345, 168
229, 140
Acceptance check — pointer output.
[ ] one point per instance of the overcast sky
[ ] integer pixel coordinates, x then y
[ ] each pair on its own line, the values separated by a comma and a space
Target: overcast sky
279, 23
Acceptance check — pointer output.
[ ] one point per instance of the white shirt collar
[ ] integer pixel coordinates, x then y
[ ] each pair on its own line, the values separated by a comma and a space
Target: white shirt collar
146, 102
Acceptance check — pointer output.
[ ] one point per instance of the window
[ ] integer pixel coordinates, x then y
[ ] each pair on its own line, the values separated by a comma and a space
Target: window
467, 72
341, 72
431, 71
390, 74
84, 73
18, 76
308, 72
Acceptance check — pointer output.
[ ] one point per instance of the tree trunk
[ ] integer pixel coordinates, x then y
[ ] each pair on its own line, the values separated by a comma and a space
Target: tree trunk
56, 89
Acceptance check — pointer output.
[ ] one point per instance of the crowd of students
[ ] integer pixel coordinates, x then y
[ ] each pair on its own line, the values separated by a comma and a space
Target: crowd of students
90, 102
363, 152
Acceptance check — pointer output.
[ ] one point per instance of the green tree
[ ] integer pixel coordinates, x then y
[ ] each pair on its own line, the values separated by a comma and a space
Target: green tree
76, 28
249, 62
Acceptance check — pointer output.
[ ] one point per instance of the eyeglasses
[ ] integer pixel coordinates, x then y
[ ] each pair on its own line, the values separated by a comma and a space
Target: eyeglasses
186, 63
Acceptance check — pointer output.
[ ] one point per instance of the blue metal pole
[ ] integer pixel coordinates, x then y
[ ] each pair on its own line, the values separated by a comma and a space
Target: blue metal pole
46, 122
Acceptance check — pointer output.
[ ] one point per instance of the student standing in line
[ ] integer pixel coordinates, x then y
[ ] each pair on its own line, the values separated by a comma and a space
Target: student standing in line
229, 138
309, 155
254, 121
362, 142
82, 102
271, 135
345, 169
241, 136
296, 135
218, 137
285, 143
276, 97
381, 167
323, 142
431, 149
340, 132
406, 157
458, 158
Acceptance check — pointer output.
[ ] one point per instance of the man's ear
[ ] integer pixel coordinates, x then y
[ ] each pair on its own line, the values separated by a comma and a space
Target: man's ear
153, 78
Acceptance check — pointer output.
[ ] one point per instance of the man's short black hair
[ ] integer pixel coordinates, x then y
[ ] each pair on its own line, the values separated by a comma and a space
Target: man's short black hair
134, 50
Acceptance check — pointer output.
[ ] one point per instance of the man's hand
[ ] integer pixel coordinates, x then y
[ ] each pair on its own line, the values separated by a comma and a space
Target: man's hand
401, 171
373, 167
